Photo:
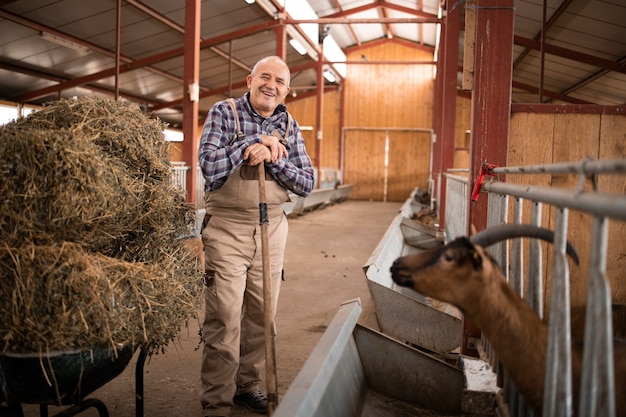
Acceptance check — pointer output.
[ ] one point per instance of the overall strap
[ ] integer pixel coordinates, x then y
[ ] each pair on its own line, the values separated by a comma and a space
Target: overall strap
239, 134
286, 138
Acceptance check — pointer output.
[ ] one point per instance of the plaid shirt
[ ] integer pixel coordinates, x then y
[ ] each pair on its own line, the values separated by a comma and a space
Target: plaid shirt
219, 154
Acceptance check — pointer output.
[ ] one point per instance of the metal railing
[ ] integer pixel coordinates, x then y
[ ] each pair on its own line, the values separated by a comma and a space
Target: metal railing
456, 206
179, 175
597, 390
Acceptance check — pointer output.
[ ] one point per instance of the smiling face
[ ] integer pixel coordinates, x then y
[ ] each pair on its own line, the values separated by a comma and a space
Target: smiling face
268, 85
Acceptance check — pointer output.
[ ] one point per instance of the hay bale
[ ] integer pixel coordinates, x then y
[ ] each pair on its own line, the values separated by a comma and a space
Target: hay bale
88, 207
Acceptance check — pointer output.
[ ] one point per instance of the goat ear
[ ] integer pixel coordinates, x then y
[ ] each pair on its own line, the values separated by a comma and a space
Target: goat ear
475, 258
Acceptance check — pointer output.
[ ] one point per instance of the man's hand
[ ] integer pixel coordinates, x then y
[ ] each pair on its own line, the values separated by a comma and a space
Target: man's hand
256, 154
277, 149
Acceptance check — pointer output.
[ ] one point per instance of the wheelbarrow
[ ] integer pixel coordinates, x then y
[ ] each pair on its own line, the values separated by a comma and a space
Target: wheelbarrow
64, 378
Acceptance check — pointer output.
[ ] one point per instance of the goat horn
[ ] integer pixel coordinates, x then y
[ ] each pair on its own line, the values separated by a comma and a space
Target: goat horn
496, 234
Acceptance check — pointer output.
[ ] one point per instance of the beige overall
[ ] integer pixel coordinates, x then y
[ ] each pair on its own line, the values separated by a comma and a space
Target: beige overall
234, 350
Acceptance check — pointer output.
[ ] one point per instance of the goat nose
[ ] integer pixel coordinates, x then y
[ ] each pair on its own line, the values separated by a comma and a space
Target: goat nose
398, 274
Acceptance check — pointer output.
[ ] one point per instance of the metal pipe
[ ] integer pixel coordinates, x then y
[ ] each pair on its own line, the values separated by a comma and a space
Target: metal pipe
599, 204
558, 396
598, 379
517, 256
586, 167
535, 261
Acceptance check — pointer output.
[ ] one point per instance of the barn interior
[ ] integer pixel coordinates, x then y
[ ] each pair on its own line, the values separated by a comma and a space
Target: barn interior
400, 103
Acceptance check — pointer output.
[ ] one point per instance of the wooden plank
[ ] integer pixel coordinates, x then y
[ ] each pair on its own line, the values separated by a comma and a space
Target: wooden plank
575, 137
365, 164
409, 157
612, 146
469, 45
530, 142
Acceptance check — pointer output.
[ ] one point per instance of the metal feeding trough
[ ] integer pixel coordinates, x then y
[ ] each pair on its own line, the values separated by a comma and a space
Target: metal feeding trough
357, 371
412, 368
419, 235
401, 312
63, 378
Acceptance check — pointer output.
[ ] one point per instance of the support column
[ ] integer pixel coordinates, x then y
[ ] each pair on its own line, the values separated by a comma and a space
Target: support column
191, 95
450, 44
438, 113
491, 109
319, 113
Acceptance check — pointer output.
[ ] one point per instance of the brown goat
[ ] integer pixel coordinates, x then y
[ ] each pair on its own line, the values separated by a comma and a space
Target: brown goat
462, 273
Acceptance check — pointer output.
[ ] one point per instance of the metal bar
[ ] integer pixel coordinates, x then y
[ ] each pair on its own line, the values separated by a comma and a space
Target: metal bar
551, 49
534, 279
497, 209
598, 379
598, 204
400, 129
352, 21
558, 379
586, 167
139, 396
517, 256
456, 209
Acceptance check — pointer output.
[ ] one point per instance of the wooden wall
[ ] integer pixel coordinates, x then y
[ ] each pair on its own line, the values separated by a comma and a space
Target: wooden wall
538, 138
387, 96
304, 111
461, 132
381, 164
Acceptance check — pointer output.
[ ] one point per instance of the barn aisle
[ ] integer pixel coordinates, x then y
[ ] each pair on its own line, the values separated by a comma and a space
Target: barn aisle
326, 251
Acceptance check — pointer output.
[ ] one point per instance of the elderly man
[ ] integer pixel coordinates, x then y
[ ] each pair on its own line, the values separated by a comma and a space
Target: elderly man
238, 135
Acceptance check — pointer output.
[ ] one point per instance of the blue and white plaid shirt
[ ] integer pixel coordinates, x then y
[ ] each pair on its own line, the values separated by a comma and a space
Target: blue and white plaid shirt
220, 155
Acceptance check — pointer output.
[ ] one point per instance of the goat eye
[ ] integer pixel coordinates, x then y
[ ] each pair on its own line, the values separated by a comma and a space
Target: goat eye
447, 257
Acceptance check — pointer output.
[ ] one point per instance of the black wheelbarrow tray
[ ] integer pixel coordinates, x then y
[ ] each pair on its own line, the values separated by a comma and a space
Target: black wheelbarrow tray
59, 378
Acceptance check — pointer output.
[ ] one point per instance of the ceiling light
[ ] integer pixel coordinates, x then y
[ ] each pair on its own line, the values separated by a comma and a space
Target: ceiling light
329, 76
250, 1
297, 46
63, 42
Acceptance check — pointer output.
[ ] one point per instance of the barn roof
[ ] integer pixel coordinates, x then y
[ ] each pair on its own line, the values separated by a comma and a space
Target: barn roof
64, 48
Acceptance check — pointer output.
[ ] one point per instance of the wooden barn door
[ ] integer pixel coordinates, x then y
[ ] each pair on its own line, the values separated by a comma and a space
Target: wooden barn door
386, 165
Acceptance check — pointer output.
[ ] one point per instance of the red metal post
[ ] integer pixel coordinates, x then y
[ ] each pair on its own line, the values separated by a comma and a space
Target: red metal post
491, 108
319, 114
191, 95
450, 45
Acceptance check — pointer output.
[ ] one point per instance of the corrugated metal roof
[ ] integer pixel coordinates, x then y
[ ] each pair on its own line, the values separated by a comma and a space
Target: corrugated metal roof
585, 47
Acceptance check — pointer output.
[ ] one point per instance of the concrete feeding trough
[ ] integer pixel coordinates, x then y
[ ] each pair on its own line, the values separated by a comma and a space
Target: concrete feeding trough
356, 371
402, 313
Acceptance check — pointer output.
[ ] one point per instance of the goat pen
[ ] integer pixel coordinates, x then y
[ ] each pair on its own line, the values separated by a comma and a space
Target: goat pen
506, 201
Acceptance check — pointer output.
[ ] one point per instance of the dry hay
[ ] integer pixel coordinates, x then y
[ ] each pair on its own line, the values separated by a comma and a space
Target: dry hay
62, 297
88, 207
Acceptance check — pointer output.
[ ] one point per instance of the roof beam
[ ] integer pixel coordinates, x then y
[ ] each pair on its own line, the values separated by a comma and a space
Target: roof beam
180, 29
407, 10
140, 63
552, 94
380, 20
91, 46
606, 64
356, 39
555, 16
38, 73
589, 79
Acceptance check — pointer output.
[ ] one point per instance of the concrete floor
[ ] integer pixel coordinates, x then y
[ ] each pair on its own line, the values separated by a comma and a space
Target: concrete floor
326, 251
